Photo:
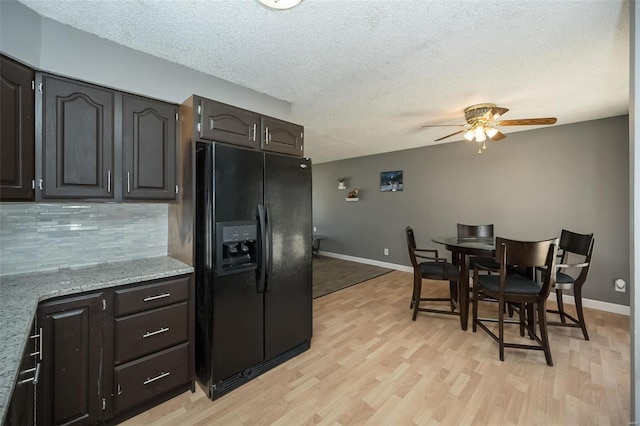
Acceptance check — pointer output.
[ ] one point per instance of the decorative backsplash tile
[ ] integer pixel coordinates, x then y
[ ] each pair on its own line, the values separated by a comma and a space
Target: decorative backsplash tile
40, 237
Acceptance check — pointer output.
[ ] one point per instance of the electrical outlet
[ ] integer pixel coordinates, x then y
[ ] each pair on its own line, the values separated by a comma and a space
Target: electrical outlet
620, 285
386, 252
315, 229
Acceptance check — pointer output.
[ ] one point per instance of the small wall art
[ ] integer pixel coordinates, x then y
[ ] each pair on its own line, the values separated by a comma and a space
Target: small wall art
391, 181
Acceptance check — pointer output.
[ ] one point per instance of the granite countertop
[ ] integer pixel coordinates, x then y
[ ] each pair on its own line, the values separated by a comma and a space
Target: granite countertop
20, 294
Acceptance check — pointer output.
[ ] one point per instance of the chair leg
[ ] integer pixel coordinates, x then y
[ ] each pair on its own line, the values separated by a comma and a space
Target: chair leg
577, 293
531, 320
560, 305
521, 317
501, 327
413, 296
542, 320
417, 293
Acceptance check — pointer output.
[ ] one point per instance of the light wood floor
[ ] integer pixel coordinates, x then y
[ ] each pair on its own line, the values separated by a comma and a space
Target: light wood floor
370, 364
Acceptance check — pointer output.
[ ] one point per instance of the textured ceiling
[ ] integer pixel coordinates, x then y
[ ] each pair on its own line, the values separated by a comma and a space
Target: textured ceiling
363, 76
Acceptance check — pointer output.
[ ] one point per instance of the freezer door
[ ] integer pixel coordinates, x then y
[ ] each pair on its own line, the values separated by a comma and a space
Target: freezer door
229, 310
238, 338
288, 297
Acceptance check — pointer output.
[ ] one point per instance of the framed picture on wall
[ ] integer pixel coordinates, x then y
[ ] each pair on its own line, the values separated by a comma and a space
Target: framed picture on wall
391, 181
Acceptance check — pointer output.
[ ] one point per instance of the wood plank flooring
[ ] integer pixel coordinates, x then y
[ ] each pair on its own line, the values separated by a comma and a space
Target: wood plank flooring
369, 364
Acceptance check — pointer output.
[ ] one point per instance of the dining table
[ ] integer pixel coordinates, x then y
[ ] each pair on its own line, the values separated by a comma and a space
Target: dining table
461, 248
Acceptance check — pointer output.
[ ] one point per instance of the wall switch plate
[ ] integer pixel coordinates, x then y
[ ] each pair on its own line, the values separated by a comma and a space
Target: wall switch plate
386, 252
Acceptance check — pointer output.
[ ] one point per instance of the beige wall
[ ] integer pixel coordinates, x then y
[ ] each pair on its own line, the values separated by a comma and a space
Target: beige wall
530, 185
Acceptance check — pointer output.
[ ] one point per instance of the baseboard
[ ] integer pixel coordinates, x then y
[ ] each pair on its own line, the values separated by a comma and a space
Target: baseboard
594, 304
568, 299
387, 265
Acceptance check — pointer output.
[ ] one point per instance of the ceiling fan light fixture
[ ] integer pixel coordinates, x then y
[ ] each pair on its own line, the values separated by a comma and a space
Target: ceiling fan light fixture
490, 131
280, 4
482, 123
469, 135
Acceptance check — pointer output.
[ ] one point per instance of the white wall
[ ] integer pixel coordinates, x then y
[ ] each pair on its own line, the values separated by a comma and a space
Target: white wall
634, 209
20, 32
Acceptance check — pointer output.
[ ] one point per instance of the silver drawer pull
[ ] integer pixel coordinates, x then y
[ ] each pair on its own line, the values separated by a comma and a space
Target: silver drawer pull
153, 333
160, 296
36, 378
33, 379
146, 382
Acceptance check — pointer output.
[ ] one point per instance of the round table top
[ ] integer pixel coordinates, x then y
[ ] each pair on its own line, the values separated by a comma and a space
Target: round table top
476, 243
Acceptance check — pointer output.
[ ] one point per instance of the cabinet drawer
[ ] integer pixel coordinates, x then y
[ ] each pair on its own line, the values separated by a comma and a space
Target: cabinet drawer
145, 378
151, 296
146, 332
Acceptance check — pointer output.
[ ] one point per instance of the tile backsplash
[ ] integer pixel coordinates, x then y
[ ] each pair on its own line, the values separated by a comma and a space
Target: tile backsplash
40, 237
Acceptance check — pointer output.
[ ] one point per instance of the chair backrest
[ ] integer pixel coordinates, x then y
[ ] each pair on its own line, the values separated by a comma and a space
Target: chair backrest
411, 245
475, 230
529, 254
580, 244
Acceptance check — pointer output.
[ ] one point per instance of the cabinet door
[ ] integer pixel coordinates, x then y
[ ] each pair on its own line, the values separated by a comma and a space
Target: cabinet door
149, 149
69, 390
77, 140
225, 123
22, 406
282, 137
16, 131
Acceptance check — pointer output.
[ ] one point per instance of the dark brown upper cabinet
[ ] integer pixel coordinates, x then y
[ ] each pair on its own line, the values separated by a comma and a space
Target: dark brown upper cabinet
149, 149
225, 123
282, 137
16, 131
99, 144
220, 122
75, 142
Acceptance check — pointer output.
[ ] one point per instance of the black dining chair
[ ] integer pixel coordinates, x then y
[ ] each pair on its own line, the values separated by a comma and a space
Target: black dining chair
478, 231
580, 245
513, 288
434, 268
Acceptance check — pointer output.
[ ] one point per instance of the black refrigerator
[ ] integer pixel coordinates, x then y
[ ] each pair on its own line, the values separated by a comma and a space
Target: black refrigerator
253, 263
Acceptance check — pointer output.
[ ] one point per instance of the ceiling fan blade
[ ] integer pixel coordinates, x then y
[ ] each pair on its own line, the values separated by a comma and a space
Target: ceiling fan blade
498, 136
527, 122
452, 134
444, 125
497, 112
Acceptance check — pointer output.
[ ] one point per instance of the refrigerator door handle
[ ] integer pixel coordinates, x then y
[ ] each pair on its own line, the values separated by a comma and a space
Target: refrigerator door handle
262, 267
269, 245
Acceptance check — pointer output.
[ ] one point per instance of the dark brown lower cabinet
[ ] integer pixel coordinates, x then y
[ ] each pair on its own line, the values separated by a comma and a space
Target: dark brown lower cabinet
103, 357
71, 387
153, 344
22, 407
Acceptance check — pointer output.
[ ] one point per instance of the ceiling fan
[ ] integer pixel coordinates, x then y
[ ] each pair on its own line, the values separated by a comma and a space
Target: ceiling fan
482, 123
